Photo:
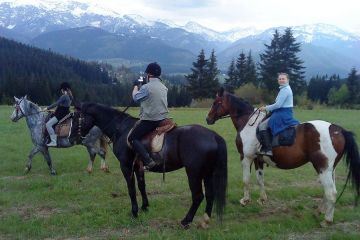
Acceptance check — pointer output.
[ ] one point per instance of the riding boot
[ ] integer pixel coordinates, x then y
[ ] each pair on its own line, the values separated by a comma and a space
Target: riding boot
140, 149
53, 142
266, 143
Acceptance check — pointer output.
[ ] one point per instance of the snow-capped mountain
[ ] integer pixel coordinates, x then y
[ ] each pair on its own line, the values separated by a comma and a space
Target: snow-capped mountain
26, 20
325, 48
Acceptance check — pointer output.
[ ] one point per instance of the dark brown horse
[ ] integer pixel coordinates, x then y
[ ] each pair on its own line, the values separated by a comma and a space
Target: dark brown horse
319, 142
201, 151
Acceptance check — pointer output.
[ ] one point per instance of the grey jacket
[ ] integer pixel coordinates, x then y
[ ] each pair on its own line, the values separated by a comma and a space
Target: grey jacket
153, 100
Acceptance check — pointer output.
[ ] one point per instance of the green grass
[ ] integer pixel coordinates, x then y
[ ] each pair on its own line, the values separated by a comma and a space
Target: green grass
74, 204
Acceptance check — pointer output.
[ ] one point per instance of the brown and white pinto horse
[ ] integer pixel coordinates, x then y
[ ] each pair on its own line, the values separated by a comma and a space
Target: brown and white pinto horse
319, 142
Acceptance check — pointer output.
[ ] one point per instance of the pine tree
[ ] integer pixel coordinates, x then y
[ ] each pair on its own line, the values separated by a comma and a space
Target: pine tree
241, 70
197, 79
281, 56
250, 70
353, 84
212, 83
270, 63
291, 64
231, 80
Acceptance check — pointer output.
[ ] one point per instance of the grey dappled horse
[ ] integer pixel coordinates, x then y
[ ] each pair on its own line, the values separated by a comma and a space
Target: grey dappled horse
35, 119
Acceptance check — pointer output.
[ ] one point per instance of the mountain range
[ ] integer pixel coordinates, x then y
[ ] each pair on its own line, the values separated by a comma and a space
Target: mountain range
91, 32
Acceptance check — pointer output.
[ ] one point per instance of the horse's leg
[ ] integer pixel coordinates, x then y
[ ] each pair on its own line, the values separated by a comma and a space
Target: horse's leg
195, 184
31, 155
246, 164
326, 179
140, 177
102, 153
47, 157
130, 181
92, 156
259, 166
322, 205
209, 195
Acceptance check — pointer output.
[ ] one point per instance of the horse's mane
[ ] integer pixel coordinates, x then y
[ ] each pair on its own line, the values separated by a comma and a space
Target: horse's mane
32, 104
241, 104
88, 106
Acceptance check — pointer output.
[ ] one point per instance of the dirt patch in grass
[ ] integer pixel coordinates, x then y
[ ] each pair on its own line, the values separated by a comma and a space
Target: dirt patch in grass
26, 212
326, 233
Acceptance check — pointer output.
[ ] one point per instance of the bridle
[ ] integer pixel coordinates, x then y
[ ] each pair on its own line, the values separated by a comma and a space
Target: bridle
19, 109
219, 104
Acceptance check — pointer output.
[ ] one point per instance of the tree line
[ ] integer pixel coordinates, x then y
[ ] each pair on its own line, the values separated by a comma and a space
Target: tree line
280, 56
26, 70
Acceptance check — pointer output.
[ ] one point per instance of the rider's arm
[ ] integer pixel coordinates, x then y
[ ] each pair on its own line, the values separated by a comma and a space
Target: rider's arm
140, 94
55, 104
280, 99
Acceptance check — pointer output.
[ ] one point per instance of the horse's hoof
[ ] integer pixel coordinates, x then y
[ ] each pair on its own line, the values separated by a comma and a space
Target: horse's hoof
144, 208
134, 214
105, 169
184, 225
244, 201
206, 218
53, 173
27, 169
261, 201
89, 170
203, 225
325, 224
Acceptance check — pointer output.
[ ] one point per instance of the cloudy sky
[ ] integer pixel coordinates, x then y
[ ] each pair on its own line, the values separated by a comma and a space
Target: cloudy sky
222, 15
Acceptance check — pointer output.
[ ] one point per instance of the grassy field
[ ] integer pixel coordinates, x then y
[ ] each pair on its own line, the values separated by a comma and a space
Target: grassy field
75, 205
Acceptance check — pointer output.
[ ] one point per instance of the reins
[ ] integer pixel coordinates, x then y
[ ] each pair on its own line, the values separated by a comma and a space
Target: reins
252, 114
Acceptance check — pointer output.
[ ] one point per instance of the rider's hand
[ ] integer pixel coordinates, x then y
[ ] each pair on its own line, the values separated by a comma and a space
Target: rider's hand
262, 108
45, 109
136, 83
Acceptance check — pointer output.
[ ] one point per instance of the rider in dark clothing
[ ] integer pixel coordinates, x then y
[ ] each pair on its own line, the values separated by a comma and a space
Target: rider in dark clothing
153, 109
62, 109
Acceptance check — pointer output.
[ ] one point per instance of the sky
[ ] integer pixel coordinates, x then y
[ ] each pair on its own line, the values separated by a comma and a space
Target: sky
222, 15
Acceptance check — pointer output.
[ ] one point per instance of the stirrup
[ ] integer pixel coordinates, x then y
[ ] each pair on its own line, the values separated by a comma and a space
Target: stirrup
266, 153
52, 144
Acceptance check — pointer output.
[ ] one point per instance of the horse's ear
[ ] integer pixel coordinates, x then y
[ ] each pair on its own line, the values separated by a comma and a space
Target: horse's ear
77, 105
25, 97
16, 99
220, 92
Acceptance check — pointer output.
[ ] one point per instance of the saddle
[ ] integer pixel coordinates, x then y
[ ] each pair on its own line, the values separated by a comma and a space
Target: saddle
284, 138
63, 127
154, 140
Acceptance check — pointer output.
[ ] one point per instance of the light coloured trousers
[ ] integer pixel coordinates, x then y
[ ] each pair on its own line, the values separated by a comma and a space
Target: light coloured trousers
50, 124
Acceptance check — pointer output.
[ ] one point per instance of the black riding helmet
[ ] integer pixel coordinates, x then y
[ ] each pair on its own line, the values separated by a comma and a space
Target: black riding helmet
153, 69
65, 86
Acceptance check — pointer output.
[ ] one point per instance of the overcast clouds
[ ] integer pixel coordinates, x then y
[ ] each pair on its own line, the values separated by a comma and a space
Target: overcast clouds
222, 15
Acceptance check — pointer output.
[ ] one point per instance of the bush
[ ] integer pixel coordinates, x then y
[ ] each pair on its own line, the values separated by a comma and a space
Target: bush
203, 103
302, 101
254, 95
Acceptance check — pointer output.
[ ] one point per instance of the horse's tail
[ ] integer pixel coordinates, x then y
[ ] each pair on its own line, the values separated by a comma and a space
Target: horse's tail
220, 177
353, 162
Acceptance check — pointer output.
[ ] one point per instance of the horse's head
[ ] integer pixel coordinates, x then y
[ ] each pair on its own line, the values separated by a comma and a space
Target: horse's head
219, 108
20, 109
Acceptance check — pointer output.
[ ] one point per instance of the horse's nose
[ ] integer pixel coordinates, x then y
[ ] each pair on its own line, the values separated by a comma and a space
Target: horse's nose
209, 121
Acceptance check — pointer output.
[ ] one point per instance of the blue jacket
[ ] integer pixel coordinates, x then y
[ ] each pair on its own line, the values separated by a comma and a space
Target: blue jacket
282, 111
284, 99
